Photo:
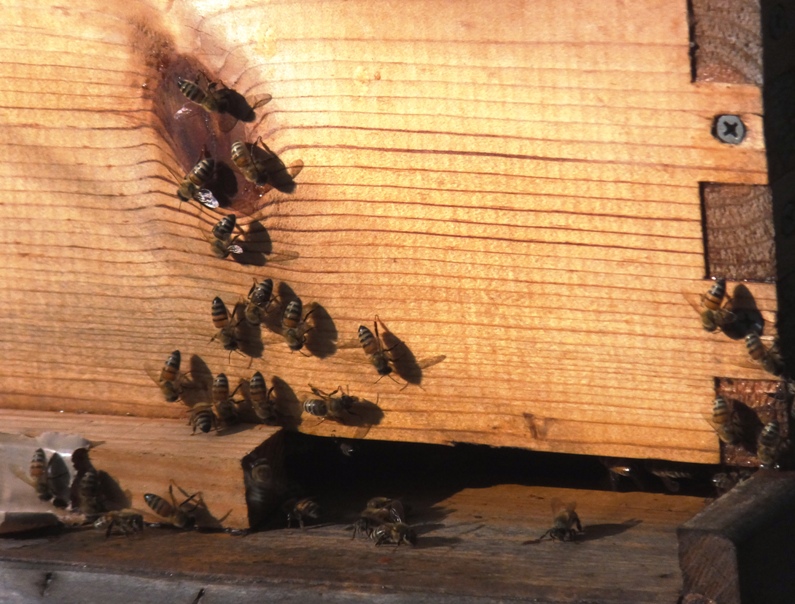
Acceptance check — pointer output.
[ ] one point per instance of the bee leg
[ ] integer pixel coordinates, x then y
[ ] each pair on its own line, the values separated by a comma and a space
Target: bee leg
110, 527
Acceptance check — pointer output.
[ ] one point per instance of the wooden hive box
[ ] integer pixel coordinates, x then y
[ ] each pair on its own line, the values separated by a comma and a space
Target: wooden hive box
530, 191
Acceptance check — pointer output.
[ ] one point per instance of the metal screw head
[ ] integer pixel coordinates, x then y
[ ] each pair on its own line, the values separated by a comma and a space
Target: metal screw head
729, 129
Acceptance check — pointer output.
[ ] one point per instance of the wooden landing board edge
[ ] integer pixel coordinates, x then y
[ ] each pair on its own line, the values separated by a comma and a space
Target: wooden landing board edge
739, 549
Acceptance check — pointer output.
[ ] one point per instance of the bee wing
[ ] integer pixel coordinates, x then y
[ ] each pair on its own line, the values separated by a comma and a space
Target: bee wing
571, 506
207, 199
557, 505
361, 431
352, 343
186, 111
234, 249
430, 362
226, 122
695, 300
152, 373
260, 100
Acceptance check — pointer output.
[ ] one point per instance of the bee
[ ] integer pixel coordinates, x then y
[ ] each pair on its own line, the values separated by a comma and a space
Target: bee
193, 185
669, 473
565, 522
769, 445
300, 509
89, 493
714, 313
374, 349
226, 325
48, 478
222, 244
394, 532
294, 328
261, 401
126, 522
178, 516
622, 467
170, 379
726, 481
259, 300
726, 422
251, 169
379, 511
225, 404
203, 418
769, 358
328, 406
393, 507
210, 98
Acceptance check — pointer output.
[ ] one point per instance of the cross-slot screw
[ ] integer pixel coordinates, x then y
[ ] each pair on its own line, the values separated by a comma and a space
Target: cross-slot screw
729, 129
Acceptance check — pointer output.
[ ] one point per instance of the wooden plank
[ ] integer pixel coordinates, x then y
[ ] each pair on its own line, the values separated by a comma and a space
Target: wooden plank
143, 456
459, 532
523, 200
737, 549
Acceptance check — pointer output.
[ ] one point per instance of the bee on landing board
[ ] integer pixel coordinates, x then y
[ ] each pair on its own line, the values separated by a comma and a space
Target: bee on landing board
202, 417
379, 510
226, 325
566, 524
181, 516
394, 533
374, 349
769, 445
170, 380
300, 509
194, 184
264, 407
222, 243
50, 479
219, 101
126, 522
251, 169
726, 423
713, 307
259, 301
294, 327
226, 407
328, 406
769, 358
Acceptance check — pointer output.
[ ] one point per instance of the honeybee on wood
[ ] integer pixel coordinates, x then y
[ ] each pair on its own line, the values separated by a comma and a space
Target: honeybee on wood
258, 303
50, 478
126, 522
264, 407
295, 328
181, 516
379, 510
226, 325
170, 380
714, 307
375, 350
394, 532
194, 184
89, 493
225, 405
328, 406
221, 101
727, 424
300, 509
202, 418
769, 445
769, 358
222, 243
566, 524
251, 169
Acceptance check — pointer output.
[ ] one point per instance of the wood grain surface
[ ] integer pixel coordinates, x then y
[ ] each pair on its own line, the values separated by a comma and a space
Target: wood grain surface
512, 186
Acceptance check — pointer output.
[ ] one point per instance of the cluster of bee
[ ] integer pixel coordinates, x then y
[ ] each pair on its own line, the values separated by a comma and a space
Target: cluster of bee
87, 493
717, 313
383, 520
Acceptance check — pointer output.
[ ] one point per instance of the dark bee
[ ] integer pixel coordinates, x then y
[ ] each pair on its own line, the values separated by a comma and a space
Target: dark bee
294, 328
260, 298
89, 493
726, 422
769, 445
243, 158
195, 182
222, 244
394, 532
179, 516
379, 511
769, 358
619, 467
225, 324
126, 522
202, 418
393, 507
225, 405
374, 349
328, 406
565, 522
211, 98
299, 510
261, 402
714, 314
